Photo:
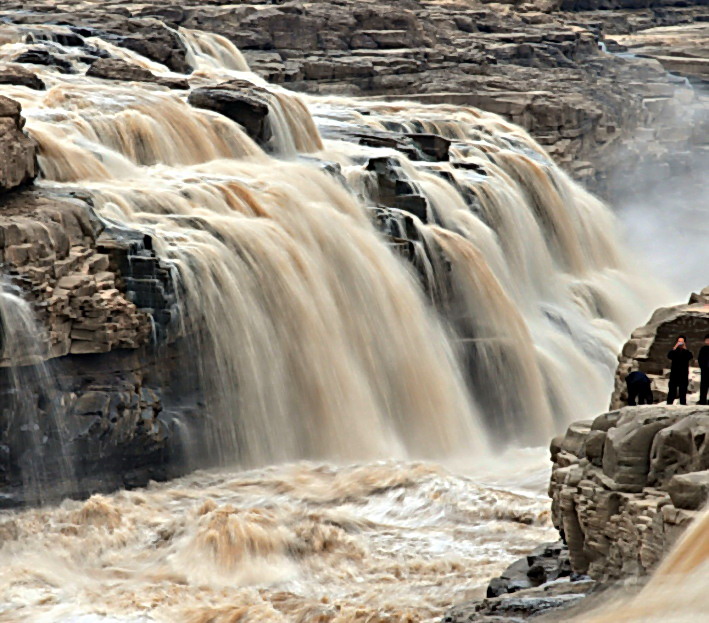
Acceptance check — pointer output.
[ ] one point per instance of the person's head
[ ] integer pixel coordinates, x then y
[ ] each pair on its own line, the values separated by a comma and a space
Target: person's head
682, 341
706, 339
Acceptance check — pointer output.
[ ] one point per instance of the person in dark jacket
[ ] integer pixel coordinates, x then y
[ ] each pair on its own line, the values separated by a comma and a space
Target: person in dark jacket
681, 357
639, 388
703, 359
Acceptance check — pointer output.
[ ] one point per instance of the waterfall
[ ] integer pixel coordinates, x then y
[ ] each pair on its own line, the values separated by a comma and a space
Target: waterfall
315, 338
30, 408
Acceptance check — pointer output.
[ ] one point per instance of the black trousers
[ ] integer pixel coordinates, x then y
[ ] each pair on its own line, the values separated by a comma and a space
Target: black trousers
704, 387
639, 393
678, 388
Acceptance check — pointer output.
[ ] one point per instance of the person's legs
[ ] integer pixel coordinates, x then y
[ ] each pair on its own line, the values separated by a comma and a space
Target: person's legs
646, 395
682, 390
672, 392
632, 393
704, 387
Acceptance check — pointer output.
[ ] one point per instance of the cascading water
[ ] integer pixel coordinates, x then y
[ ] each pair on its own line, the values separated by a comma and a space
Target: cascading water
313, 339
30, 407
312, 324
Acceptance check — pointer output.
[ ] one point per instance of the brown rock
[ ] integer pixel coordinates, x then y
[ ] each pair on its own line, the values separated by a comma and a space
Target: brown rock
17, 74
118, 69
18, 159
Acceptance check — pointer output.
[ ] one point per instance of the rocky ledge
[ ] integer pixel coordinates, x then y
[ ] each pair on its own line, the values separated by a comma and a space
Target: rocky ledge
647, 348
625, 485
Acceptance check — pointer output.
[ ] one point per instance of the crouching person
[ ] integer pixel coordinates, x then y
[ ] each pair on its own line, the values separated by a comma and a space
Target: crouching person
639, 388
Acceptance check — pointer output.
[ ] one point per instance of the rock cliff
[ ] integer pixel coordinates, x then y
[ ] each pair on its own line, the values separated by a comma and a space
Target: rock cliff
99, 294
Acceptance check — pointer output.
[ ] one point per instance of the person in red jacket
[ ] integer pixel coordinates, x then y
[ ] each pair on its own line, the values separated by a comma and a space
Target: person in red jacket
681, 357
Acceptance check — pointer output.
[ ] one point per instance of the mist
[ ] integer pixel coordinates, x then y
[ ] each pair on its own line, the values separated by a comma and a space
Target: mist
663, 205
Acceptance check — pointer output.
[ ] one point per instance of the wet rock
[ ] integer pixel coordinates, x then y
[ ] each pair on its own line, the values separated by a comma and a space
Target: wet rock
527, 604
240, 101
40, 56
394, 189
21, 76
432, 145
18, 159
118, 69
545, 564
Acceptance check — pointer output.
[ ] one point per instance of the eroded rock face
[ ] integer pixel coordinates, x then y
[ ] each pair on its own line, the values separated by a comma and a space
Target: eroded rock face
18, 152
625, 485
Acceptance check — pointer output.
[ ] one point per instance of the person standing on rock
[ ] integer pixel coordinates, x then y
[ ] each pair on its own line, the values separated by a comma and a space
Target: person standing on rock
703, 359
681, 357
639, 388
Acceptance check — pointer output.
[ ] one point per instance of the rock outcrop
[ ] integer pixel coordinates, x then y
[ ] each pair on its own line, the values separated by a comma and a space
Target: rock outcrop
240, 101
625, 485
18, 157
12, 73
647, 348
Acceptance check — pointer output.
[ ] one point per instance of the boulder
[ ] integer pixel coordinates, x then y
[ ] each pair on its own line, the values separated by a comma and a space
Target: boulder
626, 451
18, 152
40, 56
689, 491
240, 101
21, 76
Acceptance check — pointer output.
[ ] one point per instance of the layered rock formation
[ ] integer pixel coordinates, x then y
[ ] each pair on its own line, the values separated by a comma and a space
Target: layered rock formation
627, 484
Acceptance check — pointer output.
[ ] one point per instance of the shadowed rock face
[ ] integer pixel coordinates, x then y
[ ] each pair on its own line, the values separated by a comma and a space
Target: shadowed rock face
100, 294
18, 160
